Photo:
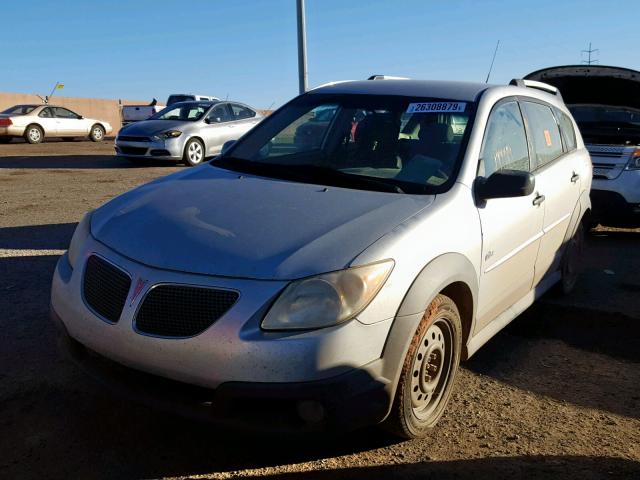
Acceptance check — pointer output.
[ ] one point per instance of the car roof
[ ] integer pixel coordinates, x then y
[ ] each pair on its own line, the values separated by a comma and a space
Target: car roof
465, 91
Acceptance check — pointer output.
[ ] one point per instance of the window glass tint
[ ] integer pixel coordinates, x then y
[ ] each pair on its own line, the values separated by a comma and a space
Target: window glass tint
240, 112
183, 111
64, 113
19, 109
545, 135
219, 113
566, 127
505, 141
179, 98
46, 113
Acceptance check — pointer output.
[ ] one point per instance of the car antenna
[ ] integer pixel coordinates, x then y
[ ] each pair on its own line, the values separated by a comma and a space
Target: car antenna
492, 60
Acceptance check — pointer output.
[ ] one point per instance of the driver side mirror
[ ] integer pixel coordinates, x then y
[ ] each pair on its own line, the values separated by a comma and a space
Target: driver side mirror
80, 117
505, 184
211, 120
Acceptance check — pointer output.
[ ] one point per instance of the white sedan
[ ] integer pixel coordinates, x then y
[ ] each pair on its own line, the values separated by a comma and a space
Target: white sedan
35, 122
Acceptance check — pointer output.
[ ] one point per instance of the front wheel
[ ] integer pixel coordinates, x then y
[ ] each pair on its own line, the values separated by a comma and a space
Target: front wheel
193, 152
97, 133
429, 371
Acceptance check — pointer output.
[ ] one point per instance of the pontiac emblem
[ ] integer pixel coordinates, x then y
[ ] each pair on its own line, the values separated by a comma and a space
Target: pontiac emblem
140, 284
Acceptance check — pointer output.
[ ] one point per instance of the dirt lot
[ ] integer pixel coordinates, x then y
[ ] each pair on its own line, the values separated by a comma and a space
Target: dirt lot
557, 394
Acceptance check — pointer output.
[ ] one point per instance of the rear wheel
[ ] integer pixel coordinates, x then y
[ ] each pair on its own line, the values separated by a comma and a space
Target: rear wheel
570, 268
97, 133
429, 371
193, 152
33, 134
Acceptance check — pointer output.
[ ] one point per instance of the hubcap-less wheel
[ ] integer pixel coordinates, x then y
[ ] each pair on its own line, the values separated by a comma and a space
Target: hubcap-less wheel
35, 135
431, 368
195, 153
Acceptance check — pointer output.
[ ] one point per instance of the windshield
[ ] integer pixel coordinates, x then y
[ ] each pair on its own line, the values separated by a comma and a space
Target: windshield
186, 111
603, 114
387, 143
20, 109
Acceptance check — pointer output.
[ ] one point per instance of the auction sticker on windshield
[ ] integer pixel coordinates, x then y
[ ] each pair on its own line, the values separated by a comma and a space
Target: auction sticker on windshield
430, 107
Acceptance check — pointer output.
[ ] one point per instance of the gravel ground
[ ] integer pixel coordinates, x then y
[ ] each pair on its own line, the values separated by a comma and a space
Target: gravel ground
555, 395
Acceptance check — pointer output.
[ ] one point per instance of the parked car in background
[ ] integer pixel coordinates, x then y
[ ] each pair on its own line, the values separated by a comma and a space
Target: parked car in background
186, 97
331, 280
36, 122
605, 102
187, 131
137, 113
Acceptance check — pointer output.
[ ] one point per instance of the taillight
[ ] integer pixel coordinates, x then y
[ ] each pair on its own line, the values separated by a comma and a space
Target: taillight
5, 122
634, 162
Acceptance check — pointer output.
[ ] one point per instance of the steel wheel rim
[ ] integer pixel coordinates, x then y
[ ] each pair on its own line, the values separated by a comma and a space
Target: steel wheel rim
431, 368
34, 134
195, 152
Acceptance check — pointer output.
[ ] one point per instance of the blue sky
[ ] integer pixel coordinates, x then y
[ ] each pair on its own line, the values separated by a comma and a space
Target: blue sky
246, 49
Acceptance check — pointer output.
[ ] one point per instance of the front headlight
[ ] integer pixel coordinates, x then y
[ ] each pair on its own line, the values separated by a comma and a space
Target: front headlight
82, 232
634, 163
327, 299
167, 134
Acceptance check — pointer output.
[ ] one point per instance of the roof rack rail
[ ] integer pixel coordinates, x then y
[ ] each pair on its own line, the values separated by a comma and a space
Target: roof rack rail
545, 87
386, 77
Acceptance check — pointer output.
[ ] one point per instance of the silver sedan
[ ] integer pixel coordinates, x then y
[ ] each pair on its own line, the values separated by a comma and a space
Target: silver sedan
187, 131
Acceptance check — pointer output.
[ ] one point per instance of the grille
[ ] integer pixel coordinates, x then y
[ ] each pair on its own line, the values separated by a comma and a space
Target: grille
182, 311
130, 138
132, 150
105, 288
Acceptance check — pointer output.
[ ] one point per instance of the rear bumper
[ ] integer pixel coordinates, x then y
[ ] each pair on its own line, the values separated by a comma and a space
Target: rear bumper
11, 131
344, 402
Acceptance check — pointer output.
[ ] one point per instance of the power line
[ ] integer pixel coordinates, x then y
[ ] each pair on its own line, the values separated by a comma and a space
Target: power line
589, 52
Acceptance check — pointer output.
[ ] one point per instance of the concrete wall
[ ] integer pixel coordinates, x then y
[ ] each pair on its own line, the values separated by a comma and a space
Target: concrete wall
100, 109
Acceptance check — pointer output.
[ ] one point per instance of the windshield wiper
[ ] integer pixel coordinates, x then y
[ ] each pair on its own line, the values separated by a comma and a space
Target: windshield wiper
350, 178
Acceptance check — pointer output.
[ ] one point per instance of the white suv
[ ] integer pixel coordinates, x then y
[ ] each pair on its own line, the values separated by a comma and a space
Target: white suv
332, 267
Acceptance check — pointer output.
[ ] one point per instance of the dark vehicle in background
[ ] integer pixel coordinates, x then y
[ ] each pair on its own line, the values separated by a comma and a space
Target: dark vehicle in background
605, 103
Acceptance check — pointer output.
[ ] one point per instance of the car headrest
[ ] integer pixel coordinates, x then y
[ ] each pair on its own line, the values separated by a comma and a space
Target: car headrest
436, 132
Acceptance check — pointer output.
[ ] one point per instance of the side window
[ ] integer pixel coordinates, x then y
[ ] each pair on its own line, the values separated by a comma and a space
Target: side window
544, 132
240, 112
505, 142
46, 113
64, 113
219, 113
566, 128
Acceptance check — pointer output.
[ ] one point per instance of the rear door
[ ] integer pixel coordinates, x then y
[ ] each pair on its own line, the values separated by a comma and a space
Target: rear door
69, 123
557, 180
244, 118
511, 227
48, 121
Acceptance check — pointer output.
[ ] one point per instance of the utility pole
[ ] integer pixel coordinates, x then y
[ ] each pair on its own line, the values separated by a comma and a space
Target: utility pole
589, 52
302, 48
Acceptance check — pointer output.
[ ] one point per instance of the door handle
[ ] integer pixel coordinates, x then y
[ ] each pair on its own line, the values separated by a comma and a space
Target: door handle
538, 200
575, 177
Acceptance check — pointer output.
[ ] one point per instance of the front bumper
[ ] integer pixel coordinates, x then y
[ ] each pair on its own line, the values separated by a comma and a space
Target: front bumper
171, 149
233, 354
344, 402
617, 200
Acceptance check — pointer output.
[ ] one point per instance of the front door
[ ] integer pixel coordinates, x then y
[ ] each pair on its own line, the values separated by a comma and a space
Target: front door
69, 123
47, 120
511, 227
217, 129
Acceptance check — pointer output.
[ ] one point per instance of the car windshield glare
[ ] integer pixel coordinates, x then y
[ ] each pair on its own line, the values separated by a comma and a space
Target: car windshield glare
19, 110
414, 144
186, 112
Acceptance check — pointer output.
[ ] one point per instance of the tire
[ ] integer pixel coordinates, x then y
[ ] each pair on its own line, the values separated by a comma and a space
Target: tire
33, 134
97, 133
193, 152
429, 371
5, 139
570, 267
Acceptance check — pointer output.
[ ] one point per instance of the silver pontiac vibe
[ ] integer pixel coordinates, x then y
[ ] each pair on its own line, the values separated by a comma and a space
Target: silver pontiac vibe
186, 131
333, 267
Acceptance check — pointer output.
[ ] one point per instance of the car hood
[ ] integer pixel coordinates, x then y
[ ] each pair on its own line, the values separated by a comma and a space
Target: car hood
212, 221
151, 127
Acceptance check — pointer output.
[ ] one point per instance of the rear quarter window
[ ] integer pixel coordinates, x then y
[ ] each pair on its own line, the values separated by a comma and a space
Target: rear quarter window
567, 130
